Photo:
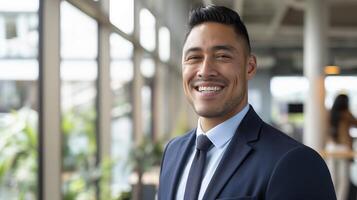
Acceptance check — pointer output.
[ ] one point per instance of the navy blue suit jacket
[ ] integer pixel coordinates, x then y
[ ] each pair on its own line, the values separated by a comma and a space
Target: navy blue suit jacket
260, 163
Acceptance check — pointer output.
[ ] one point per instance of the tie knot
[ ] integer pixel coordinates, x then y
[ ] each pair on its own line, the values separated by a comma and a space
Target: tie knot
203, 143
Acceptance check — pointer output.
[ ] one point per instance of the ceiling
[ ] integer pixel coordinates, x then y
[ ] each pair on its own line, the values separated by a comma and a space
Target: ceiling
276, 31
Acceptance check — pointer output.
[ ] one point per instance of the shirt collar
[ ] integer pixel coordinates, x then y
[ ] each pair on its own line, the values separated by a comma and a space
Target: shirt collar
223, 132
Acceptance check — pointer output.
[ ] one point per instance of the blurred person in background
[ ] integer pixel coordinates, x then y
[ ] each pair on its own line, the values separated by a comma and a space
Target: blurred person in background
339, 140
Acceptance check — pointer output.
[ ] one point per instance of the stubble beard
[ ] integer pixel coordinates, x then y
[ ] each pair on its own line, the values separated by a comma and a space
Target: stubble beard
228, 109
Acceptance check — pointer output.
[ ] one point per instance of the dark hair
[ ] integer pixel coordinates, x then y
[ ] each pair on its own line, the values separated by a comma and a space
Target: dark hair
219, 14
339, 106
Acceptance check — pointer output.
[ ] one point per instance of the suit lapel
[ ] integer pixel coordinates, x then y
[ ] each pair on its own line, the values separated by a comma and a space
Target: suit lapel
238, 149
181, 157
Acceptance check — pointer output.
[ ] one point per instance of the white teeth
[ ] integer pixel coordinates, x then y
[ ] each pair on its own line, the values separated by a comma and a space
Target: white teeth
209, 88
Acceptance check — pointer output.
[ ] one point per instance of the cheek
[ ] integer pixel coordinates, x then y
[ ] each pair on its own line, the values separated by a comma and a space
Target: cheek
185, 81
236, 79
233, 74
187, 75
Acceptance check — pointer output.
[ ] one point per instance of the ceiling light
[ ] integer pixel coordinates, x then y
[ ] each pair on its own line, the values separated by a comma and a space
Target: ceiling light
332, 70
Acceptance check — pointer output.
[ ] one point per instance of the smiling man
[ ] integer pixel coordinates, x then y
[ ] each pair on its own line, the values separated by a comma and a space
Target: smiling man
232, 154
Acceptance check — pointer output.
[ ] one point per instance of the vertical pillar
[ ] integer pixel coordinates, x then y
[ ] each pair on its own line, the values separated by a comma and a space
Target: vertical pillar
104, 100
138, 79
105, 94
156, 87
315, 58
49, 121
159, 103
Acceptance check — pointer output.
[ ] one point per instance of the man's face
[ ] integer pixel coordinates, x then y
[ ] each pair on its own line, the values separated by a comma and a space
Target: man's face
215, 69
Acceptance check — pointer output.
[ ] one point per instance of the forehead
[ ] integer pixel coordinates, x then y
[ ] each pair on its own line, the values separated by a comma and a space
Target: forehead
210, 34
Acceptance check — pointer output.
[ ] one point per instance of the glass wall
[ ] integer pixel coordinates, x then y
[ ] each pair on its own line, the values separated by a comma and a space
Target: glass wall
133, 62
164, 44
121, 15
289, 94
122, 75
341, 84
147, 69
19, 99
79, 71
147, 30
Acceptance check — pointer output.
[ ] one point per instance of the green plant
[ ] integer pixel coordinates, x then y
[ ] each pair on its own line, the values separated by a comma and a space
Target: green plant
80, 169
19, 152
144, 157
125, 196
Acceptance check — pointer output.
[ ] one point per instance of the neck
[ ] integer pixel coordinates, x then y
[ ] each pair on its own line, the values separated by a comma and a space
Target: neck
209, 123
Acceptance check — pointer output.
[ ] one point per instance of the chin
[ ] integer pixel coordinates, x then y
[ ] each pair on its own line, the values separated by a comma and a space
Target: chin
208, 113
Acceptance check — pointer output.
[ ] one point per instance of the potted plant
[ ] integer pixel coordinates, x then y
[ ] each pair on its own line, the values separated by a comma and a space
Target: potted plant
143, 157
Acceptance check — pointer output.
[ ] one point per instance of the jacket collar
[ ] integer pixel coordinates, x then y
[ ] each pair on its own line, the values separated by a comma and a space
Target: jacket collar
186, 144
238, 149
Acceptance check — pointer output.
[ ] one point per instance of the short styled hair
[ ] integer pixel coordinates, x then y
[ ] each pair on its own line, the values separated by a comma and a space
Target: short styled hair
219, 14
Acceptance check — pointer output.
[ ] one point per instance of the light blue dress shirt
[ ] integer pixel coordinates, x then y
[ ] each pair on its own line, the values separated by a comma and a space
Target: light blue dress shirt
220, 136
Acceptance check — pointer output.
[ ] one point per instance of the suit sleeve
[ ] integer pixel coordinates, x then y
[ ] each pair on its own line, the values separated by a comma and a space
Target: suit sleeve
160, 190
163, 156
301, 174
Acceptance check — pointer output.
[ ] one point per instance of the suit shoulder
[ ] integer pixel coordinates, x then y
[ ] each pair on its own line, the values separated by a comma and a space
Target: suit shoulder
308, 170
302, 155
281, 141
178, 141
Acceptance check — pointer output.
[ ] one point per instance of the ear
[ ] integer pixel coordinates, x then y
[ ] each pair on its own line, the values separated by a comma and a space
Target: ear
251, 67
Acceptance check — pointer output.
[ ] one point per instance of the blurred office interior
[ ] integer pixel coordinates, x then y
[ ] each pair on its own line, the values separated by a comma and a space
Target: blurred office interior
90, 90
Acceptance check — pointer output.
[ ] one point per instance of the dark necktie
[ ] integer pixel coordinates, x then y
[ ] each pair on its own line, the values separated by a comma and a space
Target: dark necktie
194, 179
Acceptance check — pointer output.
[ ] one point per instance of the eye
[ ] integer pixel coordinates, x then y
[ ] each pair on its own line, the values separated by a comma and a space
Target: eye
193, 58
223, 57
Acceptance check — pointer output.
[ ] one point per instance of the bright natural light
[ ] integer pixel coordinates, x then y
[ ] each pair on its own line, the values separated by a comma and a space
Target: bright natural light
73, 70
122, 70
341, 84
77, 41
19, 5
120, 48
294, 89
122, 15
18, 35
164, 44
289, 88
147, 68
147, 30
19, 69
19, 99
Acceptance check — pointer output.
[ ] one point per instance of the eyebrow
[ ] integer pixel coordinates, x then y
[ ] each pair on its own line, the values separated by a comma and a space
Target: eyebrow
193, 49
214, 48
223, 47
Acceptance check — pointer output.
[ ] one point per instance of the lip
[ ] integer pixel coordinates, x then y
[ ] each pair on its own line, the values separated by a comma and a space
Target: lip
208, 95
196, 84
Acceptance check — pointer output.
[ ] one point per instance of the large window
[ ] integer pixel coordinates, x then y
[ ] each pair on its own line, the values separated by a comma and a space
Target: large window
294, 89
122, 74
147, 30
341, 84
164, 44
289, 94
147, 69
18, 99
122, 15
79, 38
136, 47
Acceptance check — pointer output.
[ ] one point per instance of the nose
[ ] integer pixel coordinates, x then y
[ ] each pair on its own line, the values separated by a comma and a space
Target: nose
207, 69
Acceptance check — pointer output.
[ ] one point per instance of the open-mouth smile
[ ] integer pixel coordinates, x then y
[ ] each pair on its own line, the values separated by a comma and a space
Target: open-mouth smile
208, 89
